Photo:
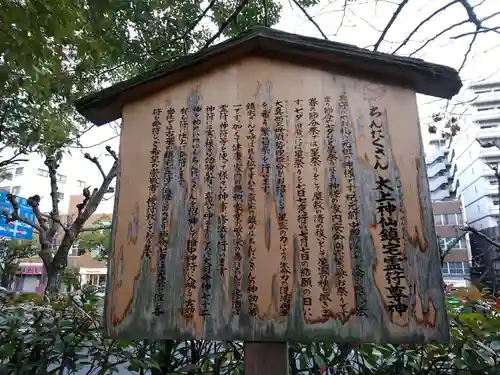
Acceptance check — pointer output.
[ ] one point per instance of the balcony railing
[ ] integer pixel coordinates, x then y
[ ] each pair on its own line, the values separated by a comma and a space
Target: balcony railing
486, 97
436, 182
486, 115
489, 152
488, 132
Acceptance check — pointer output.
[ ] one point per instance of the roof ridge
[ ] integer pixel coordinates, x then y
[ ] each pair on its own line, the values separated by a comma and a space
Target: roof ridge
427, 78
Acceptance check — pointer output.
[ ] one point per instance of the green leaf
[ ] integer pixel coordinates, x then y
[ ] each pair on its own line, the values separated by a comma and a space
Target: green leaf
189, 367
7, 350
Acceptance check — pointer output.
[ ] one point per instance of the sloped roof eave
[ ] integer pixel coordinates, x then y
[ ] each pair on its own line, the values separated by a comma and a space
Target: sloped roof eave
426, 78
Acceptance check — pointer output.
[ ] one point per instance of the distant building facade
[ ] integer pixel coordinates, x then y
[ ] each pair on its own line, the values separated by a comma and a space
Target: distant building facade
32, 177
438, 160
90, 270
471, 156
448, 215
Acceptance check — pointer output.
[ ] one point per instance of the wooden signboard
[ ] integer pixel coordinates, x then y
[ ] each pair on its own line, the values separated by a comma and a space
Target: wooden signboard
264, 200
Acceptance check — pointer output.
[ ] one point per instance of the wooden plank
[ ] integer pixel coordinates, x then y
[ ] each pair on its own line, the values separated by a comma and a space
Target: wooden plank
269, 358
267, 202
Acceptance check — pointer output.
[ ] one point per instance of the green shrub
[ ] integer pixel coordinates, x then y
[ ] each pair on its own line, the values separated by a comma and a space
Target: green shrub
64, 335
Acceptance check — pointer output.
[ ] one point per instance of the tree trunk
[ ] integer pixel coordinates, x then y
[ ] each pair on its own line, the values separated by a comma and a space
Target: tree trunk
5, 279
54, 280
8, 274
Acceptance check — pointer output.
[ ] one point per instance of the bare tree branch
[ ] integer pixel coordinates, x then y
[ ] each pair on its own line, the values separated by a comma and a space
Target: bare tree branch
85, 210
483, 30
226, 23
34, 203
303, 10
344, 11
112, 153
79, 146
450, 247
91, 229
407, 39
467, 53
389, 24
438, 35
58, 221
55, 219
470, 12
52, 166
483, 236
12, 160
94, 160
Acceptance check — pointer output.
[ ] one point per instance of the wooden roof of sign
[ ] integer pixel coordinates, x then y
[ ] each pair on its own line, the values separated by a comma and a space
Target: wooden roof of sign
423, 77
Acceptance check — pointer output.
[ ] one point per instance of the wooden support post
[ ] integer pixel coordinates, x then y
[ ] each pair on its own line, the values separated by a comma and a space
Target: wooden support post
266, 358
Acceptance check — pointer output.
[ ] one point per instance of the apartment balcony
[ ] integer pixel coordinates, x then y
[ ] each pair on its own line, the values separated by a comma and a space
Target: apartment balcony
494, 210
489, 132
492, 190
489, 152
439, 195
487, 171
435, 169
486, 115
436, 182
487, 97
434, 154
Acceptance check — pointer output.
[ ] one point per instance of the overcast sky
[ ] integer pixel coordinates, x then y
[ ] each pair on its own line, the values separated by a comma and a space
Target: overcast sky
364, 21
361, 24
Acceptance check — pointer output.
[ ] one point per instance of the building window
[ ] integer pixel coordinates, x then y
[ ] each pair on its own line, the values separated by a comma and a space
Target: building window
455, 268
6, 176
448, 219
438, 143
73, 250
60, 196
61, 178
446, 242
19, 171
16, 190
97, 280
451, 219
438, 220
43, 172
495, 202
5, 188
81, 183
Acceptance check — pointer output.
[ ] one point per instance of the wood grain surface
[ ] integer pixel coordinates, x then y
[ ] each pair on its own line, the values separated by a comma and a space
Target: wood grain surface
271, 202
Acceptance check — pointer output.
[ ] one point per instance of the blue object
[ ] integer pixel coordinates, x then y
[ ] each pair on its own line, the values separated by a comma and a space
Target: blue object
16, 229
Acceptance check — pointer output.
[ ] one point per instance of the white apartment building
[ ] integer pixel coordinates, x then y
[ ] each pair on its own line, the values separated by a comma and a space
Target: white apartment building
74, 173
438, 159
463, 168
474, 155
